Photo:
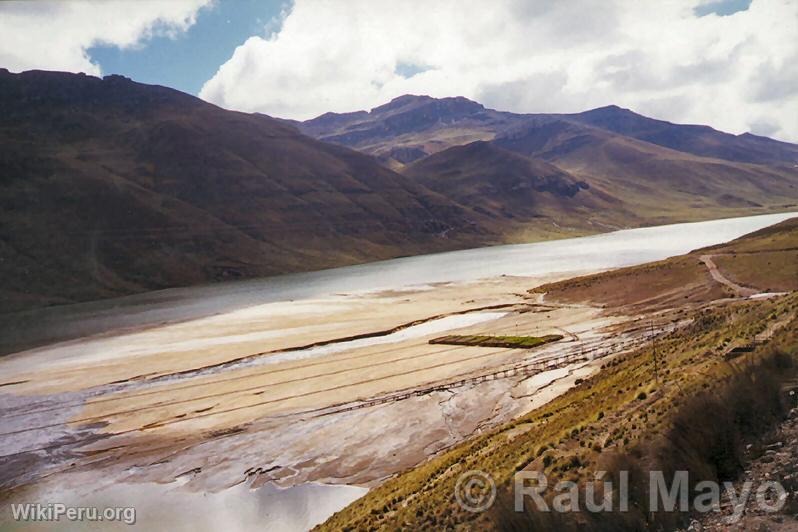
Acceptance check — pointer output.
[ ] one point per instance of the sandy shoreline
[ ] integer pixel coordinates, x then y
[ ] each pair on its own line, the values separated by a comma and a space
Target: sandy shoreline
165, 405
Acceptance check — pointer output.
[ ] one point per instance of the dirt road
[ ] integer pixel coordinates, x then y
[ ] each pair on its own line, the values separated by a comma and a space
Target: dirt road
719, 277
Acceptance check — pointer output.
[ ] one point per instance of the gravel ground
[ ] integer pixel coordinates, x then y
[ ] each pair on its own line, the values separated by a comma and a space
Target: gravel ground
775, 459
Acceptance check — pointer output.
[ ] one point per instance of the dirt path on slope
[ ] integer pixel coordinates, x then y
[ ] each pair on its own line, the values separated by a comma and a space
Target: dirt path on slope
719, 277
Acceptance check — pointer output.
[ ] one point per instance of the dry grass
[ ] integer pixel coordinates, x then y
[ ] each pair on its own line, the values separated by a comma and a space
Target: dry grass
622, 411
614, 411
661, 284
766, 259
746, 270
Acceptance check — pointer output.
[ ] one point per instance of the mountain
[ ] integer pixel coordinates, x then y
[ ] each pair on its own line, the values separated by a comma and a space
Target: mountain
422, 125
657, 171
695, 139
504, 184
410, 127
651, 178
110, 187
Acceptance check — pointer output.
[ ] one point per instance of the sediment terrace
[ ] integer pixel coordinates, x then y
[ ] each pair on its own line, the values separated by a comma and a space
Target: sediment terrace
344, 389
233, 413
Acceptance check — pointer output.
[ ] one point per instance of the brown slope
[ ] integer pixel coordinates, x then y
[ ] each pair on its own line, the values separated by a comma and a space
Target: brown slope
111, 187
505, 184
658, 181
765, 260
695, 139
418, 125
410, 127
704, 174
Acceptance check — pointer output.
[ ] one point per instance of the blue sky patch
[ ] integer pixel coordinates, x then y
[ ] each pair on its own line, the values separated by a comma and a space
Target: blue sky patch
188, 60
408, 70
722, 8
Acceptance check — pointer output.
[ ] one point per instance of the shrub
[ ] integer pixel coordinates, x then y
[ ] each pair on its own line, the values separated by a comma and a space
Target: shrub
706, 438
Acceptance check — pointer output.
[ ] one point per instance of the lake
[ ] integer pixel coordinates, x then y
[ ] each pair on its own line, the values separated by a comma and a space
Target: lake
607, 250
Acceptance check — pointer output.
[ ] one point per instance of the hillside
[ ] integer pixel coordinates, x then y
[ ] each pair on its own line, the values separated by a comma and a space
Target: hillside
766, 260
695, 139
111, 187
653, 180
700, 397
507, 185
410, 127
653, 170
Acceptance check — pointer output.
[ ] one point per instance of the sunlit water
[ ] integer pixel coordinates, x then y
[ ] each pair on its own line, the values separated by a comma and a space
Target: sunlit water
301, 507
447, 323
164, 507
608, 250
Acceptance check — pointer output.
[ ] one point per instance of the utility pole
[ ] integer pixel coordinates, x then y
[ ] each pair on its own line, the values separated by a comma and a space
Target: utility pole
654, 352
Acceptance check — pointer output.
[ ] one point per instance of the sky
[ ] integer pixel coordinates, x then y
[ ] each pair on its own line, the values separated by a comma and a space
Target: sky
188, 60
731, 64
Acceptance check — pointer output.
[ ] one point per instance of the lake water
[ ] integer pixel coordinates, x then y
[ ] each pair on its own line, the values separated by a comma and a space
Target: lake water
608, 250
302, 506
236, 509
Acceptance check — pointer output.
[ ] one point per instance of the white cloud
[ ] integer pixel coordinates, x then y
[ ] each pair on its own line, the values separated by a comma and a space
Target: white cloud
55, 35
734, 72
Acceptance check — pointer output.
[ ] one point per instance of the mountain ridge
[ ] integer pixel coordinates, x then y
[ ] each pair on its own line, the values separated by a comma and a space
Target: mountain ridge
507, 185
111, 187
359, 130
651, 167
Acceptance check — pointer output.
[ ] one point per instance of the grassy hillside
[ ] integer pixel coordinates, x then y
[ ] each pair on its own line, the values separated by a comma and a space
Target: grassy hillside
508, 186
639, 170
111, 187
766, 260
651, 181
696, 413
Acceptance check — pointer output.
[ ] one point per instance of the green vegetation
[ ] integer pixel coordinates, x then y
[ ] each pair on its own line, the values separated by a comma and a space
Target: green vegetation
766, 260
515, 342
746, 269
566, 440
705, 435
696, 416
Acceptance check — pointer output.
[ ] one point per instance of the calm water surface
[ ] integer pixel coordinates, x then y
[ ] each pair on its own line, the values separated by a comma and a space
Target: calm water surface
608, 250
